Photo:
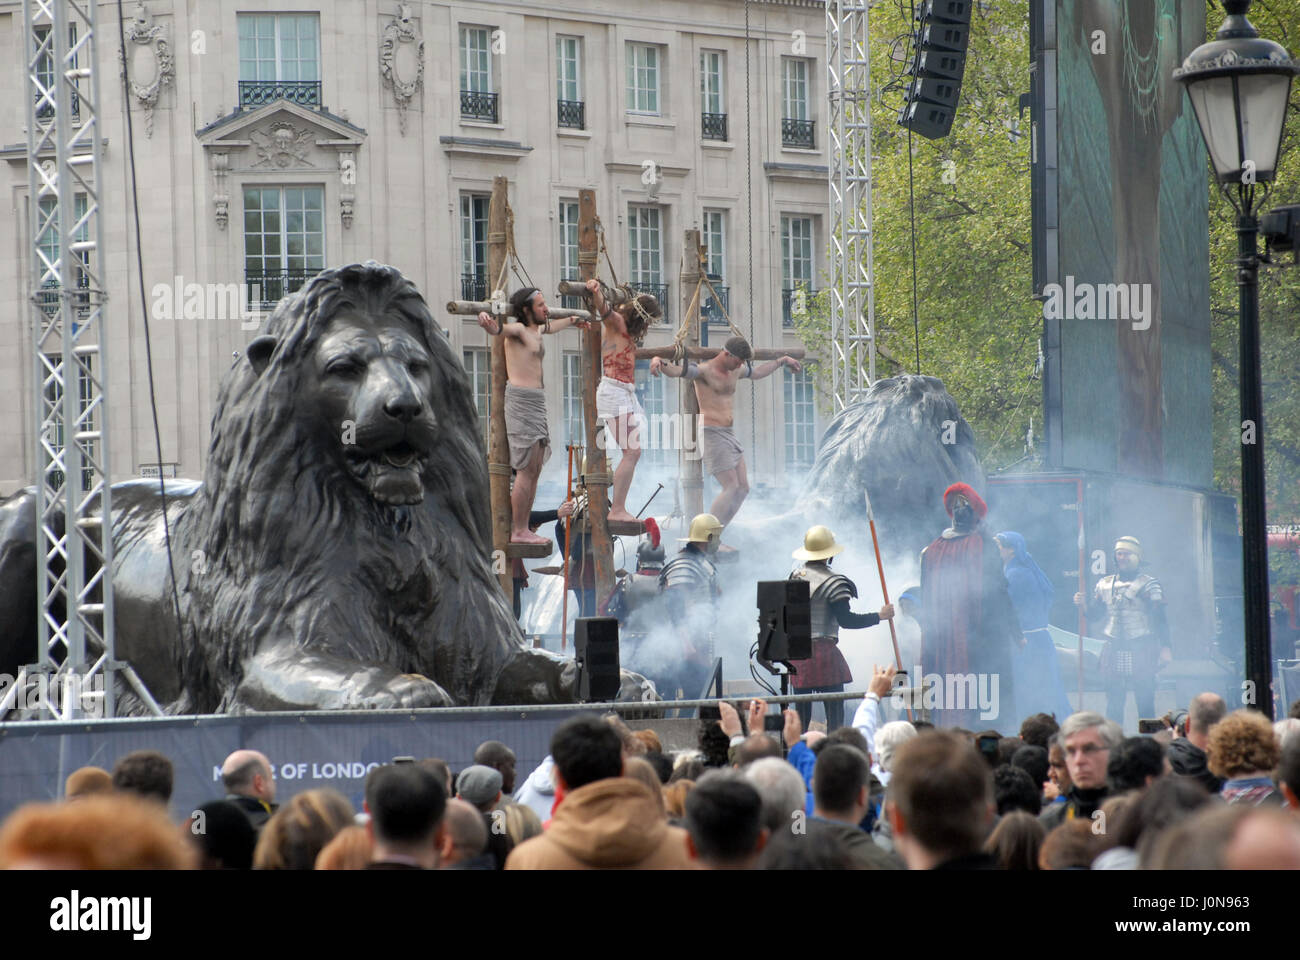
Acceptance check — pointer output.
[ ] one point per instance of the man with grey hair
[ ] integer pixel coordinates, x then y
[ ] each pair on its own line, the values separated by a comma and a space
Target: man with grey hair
1187, 754
250, 785
781, 789
888, 739
1087, 738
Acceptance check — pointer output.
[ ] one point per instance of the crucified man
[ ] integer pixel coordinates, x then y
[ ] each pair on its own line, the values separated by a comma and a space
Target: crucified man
715, 389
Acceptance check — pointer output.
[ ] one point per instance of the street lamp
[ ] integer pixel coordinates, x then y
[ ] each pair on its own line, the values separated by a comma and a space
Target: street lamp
1239, 84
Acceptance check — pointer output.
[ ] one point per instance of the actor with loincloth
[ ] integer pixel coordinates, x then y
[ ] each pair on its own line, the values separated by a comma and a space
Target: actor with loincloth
830, 593
526, 429
689, 585
715, 389
1137, 633
616, 403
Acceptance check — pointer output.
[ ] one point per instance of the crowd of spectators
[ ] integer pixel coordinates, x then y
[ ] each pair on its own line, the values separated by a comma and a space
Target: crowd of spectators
1214, 790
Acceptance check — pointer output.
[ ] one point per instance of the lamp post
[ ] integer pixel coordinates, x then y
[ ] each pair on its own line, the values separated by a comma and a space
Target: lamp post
1239, 84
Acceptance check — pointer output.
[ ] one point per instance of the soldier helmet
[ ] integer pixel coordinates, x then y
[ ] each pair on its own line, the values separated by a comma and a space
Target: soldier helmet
705, 528
818, 544
1132, 544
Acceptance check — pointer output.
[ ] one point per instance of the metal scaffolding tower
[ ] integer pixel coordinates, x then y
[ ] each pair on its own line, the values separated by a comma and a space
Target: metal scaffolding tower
852, 288
75, 670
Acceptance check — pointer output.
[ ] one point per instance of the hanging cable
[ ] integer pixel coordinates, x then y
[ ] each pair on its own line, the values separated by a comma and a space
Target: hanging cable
911, 208
144, 307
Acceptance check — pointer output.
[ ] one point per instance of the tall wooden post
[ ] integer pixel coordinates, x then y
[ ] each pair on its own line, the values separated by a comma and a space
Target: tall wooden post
691, 470
597, 477
498, 443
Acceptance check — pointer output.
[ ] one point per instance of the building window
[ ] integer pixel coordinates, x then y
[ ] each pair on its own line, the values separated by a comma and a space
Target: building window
279, 58
796, 266
657, 443
645, 253
642, 78
575, 431
473, 246
569, 251
478, 367
796, 125
284, 240
478, 101
49, 246
86, 415
800, 421
45, 71
570, 111
714, 234
713, 105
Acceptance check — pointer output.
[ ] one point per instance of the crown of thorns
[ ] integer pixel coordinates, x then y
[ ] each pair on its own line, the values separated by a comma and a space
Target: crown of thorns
636, 304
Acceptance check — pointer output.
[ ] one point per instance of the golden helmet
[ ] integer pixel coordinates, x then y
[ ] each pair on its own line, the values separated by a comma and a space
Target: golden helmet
818, 544
1132, 544
705, 528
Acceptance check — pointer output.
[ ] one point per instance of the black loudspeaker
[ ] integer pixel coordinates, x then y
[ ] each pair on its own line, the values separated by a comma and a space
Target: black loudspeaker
784, 620
938, 61
595, 647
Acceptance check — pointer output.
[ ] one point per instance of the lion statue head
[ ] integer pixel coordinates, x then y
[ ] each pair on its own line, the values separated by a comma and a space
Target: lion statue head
344, 512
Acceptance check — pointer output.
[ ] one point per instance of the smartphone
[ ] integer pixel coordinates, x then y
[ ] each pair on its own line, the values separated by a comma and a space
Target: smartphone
1150, 726
773, 722
403, 759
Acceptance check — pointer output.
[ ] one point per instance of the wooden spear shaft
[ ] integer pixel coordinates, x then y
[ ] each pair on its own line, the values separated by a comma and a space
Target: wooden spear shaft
884, 590
564, 608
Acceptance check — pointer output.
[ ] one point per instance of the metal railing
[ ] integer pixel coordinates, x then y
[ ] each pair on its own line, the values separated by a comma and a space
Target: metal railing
571, 114
795, 300
710, 308
473, 286
255, 93
660, 292
478, 105
713, 126
267, 287
798, 133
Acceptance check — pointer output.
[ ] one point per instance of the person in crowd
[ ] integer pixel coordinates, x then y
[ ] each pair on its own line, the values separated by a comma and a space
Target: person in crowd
87, 782
1107, 852
1168, 801
841, 798
688, 585
480, 786
1232, 837
520, 821
782, 791
465, 838
537, 792
351, 849
1087, 739
688, 766
296, 833
724, 822
1187, 753
1243, 751
1070, 846
1058, 772
146, 773
675, 795
1033, 760
224, 835
1035, 666
940, 804
651, 740
441, 770
116, 831
1014, 790
1016, 840
495, 754
662, 765
638, 769
1135, 764
603, 820
406, 805
250, 785
1038, 730
810, 851
1288, 774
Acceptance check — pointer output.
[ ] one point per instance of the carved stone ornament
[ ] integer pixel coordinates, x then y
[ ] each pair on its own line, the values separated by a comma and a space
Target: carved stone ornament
347, 189
282, 145
401, 61
147, 61
220, 197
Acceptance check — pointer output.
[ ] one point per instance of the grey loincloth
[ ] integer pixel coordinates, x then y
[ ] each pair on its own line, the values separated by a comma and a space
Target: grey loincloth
526, 424
720, 449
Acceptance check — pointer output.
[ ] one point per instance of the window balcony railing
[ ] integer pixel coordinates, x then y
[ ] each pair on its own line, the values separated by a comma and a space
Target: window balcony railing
47, 298
266, 288
711, 308
571, 114
713, 126
256, 93
798, 133
796, 300
45, 111
474, 287
477, 105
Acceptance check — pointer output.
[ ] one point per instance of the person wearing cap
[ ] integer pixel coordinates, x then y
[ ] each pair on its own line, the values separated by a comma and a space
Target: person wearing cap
968, 625
1137, 631
830, 593
715, 389
689, 586
525, 407
480, 786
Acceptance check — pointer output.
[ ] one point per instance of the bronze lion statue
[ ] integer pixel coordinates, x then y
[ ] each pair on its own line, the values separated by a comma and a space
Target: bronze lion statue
337, 553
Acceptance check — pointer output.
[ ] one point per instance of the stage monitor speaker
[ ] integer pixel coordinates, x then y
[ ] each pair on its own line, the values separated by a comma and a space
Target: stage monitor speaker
595, 647
784, 620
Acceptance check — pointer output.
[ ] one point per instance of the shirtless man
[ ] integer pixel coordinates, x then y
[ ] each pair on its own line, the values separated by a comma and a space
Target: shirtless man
715, 389
530, 440
616, 402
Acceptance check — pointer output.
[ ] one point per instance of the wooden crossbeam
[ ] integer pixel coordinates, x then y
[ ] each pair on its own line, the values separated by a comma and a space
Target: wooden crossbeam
472, 308
708, 353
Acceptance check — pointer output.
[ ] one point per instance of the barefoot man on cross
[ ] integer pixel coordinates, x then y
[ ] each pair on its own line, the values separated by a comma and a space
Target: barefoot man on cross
526, 428
715, 388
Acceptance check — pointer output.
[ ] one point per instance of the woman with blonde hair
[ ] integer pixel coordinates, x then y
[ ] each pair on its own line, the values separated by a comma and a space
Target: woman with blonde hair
294, 837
